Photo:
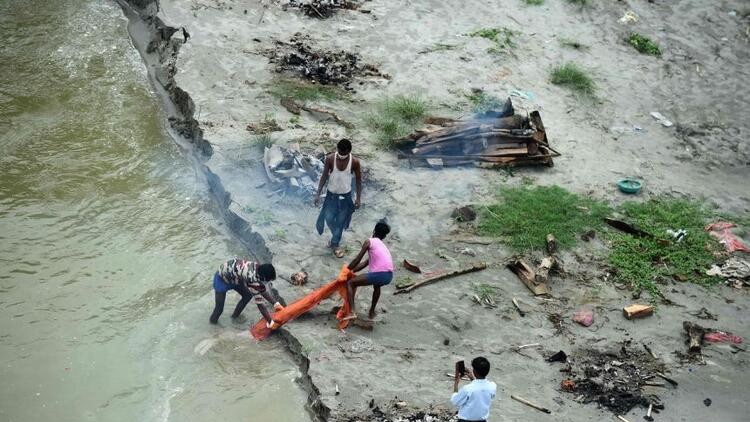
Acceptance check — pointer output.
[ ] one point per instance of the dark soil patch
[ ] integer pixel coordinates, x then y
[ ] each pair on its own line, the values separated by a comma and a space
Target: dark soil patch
322, 9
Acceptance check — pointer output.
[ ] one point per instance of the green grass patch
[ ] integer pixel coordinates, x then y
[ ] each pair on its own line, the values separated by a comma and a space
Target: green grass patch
525, 215
575, 45
572, 76
643, 44
643, 262
306, 91
581, 3
482, 101
397, 117
501, 37
263, 140
485, 292
534, 2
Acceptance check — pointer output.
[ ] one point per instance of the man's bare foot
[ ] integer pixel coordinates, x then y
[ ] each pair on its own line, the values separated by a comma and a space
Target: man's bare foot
372, 314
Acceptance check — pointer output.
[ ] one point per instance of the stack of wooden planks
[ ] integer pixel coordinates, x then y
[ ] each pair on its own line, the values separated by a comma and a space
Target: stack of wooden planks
484, 142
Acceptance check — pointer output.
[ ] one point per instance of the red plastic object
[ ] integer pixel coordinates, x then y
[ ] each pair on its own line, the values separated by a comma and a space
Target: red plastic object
584, 317
721, 337
723, 232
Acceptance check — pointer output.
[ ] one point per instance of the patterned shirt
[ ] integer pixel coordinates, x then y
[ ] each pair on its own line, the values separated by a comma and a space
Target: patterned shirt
237, 271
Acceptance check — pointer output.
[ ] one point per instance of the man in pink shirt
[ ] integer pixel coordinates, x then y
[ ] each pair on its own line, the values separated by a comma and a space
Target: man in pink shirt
381, 267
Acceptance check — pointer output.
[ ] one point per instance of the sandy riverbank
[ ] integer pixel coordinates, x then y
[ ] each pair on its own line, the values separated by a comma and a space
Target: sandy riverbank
697, 84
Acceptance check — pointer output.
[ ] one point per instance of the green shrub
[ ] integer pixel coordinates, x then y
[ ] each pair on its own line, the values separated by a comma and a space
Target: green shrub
573, 77
643, 44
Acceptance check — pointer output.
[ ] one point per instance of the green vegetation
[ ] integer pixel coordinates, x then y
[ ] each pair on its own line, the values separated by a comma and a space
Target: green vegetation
579, 2
438, 47
644, 261
572, 76
534, 2
397, 117
525, 215
643, 44
571, 43
260, 216
485, 292
263, 140
482, 101
502, 37
306, 91
294, 120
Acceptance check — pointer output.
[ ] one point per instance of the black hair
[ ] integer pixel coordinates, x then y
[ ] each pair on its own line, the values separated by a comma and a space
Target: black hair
481, 367
381, 229
266, 272
344, 146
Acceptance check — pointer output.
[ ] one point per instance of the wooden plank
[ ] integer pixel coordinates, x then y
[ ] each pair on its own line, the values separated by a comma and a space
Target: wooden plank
526, 274
438, 277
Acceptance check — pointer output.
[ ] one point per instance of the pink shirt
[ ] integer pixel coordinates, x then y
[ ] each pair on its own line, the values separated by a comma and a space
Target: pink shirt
380, 256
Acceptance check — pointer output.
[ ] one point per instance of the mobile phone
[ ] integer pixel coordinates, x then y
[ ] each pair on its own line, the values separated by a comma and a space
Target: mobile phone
461, 368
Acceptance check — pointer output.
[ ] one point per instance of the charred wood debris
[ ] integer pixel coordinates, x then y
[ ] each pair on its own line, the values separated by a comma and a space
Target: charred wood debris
321, 9
492, 139
299, 57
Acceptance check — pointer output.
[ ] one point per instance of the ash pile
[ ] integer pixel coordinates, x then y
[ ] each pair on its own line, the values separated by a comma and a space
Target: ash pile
322, 9
327, 67
290, 171
618, 380
491, 139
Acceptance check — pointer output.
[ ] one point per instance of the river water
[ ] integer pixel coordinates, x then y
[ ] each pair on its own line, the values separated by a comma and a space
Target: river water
107, 242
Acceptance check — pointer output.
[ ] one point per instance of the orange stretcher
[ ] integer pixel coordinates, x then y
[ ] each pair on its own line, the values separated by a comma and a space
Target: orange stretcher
260, 331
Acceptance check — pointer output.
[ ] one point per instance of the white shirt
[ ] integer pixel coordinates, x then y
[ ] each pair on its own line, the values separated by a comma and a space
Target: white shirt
473, 400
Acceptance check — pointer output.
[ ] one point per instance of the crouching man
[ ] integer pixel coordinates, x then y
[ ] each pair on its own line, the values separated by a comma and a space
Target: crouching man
473, 401
248, 279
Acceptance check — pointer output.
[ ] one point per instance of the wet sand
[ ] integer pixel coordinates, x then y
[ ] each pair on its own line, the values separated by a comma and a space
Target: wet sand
697, 84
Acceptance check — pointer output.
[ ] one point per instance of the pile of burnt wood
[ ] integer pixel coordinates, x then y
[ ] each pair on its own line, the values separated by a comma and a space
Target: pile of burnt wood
491, 139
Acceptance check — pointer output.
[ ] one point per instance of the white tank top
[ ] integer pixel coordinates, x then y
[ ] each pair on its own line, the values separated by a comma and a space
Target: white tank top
340, 181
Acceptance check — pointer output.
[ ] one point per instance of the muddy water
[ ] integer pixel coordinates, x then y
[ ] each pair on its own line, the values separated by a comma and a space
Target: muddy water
107, 242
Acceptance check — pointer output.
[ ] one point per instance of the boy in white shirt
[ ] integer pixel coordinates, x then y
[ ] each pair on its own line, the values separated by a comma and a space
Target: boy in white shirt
473, 400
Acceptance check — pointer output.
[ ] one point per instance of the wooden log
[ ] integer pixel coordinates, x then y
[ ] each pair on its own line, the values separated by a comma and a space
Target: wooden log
528, 277
551, 244
637, 311
667, 379
541, 275
695, 336
518, 308
627, 228
622, 418
432, 279
530, 404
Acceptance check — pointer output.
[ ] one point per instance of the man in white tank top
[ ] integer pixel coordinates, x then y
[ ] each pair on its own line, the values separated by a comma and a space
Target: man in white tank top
338, 206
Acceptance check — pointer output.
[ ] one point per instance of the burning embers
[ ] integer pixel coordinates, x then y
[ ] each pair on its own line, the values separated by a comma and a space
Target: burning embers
326, 67
492, 139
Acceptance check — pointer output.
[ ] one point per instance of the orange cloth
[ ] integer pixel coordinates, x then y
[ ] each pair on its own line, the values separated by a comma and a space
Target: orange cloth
260, 331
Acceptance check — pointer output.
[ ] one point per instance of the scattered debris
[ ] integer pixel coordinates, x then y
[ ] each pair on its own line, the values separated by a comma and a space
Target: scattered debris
661, 119
723, 232
325, 67
648, 416
299, 278
411, 267
289, 169
627, 228
464, 214
319, 113
584, 317
440, 275
551, 244
558, 357
667, 379
734, 269
528, 277
695, 336
568, 385
321, 9
703, 313
622, 418
493, 139
677, 235
637, 311
614, 378
530, 404
518, 308
263, 127
542, 272
629, 17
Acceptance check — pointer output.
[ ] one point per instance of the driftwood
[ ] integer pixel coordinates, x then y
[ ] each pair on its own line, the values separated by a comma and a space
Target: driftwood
441, 276
530, 404
667, 379
622, 418
411, 267
627, 228
518, 308
695, 336
527, 275
542, 273
551, 244
637, 311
